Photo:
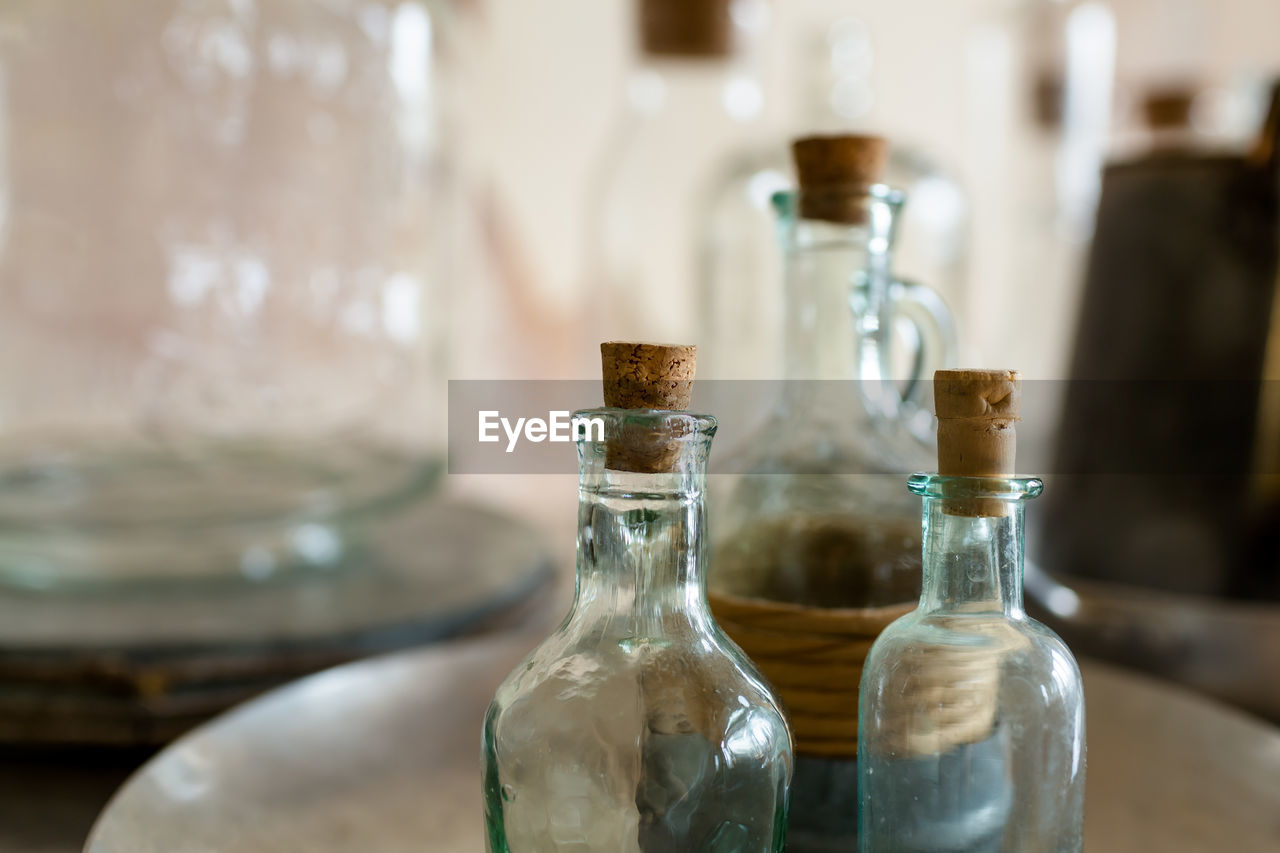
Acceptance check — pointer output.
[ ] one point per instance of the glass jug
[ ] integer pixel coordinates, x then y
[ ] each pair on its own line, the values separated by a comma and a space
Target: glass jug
221, 224
817, 546
818, 516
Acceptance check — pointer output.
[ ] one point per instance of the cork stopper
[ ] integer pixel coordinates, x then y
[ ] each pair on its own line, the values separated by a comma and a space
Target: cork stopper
686, 28
833, 173
977, 410
646, 376
1168, 108
1047, 96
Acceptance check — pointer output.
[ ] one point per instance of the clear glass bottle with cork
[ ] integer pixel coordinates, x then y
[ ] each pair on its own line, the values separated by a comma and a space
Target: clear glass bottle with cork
637, 726
817, 545
694, 94
971, 734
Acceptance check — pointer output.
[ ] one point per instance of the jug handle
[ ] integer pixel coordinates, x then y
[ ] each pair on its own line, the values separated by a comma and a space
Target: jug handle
935, 327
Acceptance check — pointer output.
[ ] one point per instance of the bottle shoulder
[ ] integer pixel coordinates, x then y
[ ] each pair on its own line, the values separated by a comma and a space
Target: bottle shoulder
646, 147
984, 627
824, 427
932, 682
1021, 646
586, 667
611, 707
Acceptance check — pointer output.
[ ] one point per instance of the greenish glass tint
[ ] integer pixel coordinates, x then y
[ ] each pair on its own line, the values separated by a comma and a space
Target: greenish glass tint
637, 725
971, 715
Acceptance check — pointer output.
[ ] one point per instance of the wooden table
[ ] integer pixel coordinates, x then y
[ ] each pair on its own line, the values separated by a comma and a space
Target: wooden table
384, 755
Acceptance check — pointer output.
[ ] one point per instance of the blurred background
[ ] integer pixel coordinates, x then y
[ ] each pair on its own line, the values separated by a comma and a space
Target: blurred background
955, 82
245, 244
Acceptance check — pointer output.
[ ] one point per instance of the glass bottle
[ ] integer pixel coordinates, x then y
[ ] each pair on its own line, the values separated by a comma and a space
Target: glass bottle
1040, 80
739, 264
817, 545
820, 473
637, 726
694, 94
223, 226
971, 714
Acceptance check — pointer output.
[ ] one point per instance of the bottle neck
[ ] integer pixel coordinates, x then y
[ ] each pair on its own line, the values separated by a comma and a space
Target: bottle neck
641, 549
972, 563
838, 276
641, 536
704, 87
703, 55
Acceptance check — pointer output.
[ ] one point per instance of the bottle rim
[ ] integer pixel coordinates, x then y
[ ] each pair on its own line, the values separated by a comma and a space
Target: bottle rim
932, 485
873, 193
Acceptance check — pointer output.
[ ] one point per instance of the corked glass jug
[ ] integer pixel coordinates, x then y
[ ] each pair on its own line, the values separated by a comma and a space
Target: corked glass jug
637, 726
817, 545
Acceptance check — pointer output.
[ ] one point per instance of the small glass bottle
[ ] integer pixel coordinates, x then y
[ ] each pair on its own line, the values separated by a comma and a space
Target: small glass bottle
694, 94
971, 714
638, 726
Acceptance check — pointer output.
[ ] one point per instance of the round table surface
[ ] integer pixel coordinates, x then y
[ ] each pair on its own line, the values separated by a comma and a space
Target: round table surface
384, 755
